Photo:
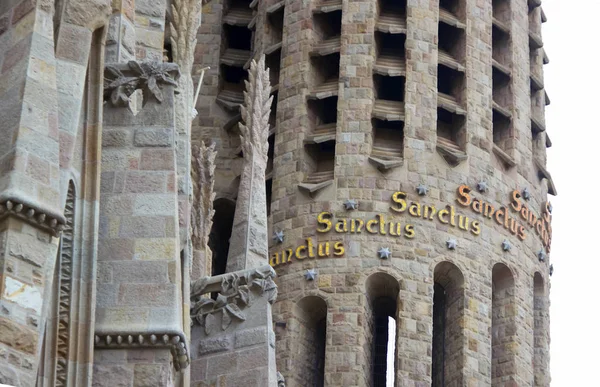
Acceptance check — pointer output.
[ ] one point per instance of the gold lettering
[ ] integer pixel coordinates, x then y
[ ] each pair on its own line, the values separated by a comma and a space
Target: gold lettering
427, 210
323, 219
452, 216
326, 253
299, 249
339, 249
409, 231
357, 225
489, 210
442, 216
415, 209
398, 229
381, 224
399, 198
516, 203
475, 228
290, 253
478, 206
464, 199
370, 224
311, 248
274, 261
341, 226
521, 234
463, 222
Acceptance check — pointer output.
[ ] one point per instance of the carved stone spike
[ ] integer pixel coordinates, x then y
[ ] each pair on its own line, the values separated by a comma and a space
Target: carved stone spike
165, 339
9, 205
141, 339
130, 339
41, 218
30, 213
119, 339
184, 27
108, 340
19, 207
203, 180
153, 339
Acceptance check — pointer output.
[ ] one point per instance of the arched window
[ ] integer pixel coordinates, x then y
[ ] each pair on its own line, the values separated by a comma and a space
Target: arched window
540, 332
220, 234
448, 347
503, 326
310, 335
382, 296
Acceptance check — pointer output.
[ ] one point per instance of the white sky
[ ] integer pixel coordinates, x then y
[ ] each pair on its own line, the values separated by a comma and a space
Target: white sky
573, 84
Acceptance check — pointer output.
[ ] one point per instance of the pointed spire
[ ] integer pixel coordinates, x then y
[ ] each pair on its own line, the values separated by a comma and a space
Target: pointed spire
249, 239
203, 181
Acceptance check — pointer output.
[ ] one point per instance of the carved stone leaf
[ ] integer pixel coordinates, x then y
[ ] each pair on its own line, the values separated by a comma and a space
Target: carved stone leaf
154, 89
244, 295
221, 301
209, 324
226, 320
135, 67
236, 312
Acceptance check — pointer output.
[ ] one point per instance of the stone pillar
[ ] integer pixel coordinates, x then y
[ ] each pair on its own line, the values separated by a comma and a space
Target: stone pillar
249, 244
30, 214
139, 292
233, 341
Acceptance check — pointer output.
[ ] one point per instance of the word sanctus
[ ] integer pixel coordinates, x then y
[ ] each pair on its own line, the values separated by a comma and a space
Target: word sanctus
501, 215
309, 250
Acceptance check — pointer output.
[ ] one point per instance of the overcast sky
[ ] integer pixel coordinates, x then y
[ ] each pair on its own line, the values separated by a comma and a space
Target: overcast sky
574, 160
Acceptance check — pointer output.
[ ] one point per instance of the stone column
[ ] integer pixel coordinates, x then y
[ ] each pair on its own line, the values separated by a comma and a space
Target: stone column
30, 214
249, 243
139, 292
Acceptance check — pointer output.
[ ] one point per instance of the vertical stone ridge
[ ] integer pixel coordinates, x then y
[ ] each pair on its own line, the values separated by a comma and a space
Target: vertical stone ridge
64, 298
203, 181
249, 246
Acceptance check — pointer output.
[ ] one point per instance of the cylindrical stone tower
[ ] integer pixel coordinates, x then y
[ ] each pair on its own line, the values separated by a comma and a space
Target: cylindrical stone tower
407, 184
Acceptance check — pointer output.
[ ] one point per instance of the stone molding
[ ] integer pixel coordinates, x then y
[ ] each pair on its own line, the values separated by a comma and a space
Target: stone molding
236, 291
175, 341
32, 214
121, 80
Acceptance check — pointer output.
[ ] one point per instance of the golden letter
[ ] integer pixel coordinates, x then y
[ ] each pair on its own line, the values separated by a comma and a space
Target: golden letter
357, 225
323, 219
339, 249
475, 228
326, 253
311, 247
299, 250
442, 216
415, 209
409, 231
370, 224
399, 198
464, 199
516, 203
274, 261
341, 226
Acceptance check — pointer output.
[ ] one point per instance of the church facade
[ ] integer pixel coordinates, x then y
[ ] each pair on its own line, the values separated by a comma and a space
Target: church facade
274, 193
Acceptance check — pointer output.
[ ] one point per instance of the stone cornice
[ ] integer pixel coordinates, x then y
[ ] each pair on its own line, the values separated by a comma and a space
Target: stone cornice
175, 341
12, 205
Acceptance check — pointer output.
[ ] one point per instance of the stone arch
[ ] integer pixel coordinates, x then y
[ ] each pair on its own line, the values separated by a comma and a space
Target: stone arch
382, 292
448, 343
504, 325
540, 331
220, 234
308, 332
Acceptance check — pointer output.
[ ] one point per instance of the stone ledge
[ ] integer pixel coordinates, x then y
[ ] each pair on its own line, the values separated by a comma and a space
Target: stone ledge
13, 205
175, 341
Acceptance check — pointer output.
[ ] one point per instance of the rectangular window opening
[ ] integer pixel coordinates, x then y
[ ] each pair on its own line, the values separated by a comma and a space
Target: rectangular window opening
389, 88
388, 139
236, 37
327, 25
326, 69
450, 128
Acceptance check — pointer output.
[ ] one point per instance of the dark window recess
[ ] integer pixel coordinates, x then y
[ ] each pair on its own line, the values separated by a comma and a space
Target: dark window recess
275, 26
451, 40
322, 156
501, 126
452, 6
273, 114
500, 46
233, 78
390, 44
220, 234
450, 82
392, 7
449, 126
388, 139
269, 193
237, 37
273, 63
323, 111
270, 154
326, 68
319, 358
327, 25
439, 336
389, 88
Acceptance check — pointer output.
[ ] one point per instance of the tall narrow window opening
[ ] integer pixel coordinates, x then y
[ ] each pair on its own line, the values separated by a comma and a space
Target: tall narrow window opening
448, 347
309, 340
503, 326
220, 234
382, 291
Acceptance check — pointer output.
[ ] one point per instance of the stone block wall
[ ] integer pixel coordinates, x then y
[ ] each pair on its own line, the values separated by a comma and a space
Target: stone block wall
341, 281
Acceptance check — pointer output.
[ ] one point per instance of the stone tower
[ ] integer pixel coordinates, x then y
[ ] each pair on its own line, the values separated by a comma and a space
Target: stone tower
406, 184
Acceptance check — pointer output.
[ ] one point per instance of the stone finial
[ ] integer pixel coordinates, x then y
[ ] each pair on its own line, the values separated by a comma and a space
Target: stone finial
249, 240
256, 110
203, 181
185, 21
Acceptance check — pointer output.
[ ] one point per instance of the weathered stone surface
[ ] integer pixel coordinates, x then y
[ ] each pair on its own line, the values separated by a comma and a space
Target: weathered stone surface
17, 336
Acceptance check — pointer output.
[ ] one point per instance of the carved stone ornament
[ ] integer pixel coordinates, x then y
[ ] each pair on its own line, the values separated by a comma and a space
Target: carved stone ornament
203, 180
174, 341
280, 380
122, 80
236, 291
53, 223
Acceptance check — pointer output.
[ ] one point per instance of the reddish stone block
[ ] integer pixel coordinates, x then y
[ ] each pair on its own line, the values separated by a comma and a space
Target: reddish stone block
21, 10
157, 160
16, 54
